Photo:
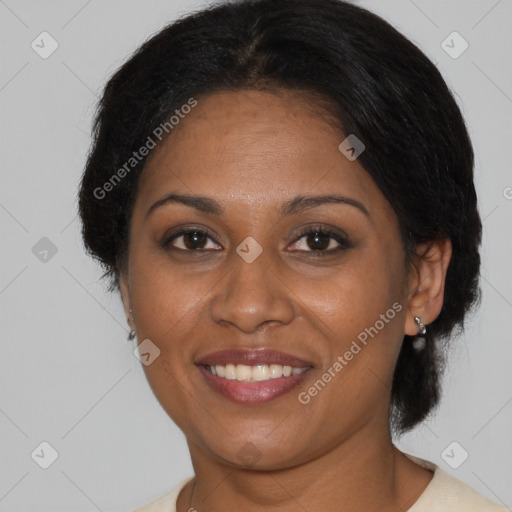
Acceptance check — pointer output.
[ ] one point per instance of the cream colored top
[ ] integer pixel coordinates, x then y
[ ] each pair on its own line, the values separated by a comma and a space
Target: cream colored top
444, 493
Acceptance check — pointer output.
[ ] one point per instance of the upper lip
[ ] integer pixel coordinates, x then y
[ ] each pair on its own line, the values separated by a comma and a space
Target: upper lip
252, 357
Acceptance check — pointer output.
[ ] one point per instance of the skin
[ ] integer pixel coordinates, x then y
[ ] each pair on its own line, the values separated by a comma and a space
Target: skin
251, 151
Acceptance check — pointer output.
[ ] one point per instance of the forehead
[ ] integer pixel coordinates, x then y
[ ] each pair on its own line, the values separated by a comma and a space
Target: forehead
257, 148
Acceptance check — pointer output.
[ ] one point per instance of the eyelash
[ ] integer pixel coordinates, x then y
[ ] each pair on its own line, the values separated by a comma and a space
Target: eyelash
311, 230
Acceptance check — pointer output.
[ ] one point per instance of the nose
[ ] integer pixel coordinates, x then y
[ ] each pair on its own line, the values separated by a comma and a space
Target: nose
252, 295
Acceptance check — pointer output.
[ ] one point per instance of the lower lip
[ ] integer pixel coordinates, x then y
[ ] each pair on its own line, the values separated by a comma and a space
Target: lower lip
243, 392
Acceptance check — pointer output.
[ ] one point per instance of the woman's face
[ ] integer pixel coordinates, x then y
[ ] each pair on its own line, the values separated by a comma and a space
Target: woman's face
252, 278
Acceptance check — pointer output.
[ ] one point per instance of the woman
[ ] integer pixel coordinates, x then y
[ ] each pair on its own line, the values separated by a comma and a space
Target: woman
283, 193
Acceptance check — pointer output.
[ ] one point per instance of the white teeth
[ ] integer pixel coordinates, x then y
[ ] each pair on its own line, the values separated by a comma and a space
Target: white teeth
257, 373
243, 372
261, 372
276, 371
230, 372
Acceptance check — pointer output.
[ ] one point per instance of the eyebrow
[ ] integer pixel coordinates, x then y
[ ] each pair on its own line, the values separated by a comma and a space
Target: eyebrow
295, 205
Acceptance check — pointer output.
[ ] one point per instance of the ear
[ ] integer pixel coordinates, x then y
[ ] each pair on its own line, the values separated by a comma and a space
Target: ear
125, 297
427, 277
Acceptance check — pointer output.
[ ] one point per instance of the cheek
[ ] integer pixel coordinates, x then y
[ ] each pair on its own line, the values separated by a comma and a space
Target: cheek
356, 294
166, 299
360, 311
168, 309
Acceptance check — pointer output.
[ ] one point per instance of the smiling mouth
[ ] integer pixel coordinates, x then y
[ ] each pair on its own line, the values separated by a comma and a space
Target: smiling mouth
239, 385
254, 373
252, 376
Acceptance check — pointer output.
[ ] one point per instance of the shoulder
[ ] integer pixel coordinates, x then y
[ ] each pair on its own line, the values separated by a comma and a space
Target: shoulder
447, 493
454, 495
167, 502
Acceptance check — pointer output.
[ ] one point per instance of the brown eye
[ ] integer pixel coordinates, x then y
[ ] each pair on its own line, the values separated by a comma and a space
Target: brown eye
191, 240
194, 240
320, 241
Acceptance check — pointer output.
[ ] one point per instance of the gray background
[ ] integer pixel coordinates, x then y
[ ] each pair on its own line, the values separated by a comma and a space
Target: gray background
67, 374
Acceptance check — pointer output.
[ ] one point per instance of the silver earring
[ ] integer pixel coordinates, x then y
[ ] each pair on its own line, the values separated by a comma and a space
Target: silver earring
419, 340
132, 333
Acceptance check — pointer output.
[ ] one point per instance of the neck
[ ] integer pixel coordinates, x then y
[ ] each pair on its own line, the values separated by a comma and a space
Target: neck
364, 473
